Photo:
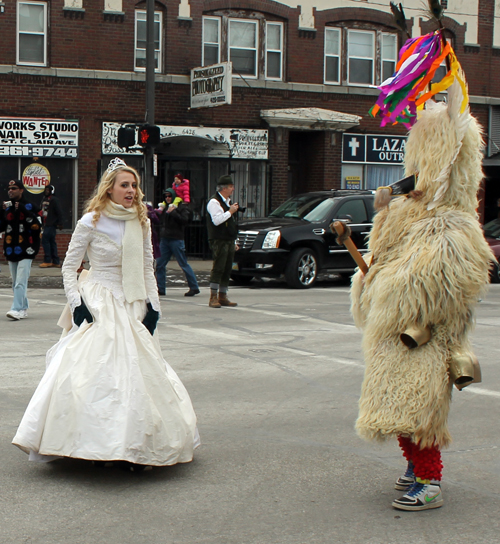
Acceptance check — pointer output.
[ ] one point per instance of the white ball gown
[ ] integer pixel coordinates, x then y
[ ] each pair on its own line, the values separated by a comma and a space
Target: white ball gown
107, 393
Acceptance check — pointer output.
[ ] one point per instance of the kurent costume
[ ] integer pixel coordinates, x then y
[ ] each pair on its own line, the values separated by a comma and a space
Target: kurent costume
107, 393
222, 234
428, 267
22, 226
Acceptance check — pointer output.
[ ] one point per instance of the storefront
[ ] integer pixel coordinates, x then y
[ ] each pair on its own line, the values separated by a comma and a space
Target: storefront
41, 152
202, 155
371, 160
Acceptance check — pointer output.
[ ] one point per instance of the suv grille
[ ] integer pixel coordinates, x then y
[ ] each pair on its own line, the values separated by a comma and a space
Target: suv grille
246, 238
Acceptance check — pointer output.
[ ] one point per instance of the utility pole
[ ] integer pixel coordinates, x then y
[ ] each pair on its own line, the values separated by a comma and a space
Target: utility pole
150, 97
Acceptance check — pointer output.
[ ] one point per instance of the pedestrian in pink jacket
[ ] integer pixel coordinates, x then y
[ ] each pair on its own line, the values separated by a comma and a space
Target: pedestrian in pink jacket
181, 188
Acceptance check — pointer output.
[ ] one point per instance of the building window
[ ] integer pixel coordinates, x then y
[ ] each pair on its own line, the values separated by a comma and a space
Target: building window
211, 41
332, 55
360, 55
32, 33
274, 51
140, 40
243, 36
389, 55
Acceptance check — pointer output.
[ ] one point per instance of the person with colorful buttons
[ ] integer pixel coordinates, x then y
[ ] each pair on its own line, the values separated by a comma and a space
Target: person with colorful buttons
21, 222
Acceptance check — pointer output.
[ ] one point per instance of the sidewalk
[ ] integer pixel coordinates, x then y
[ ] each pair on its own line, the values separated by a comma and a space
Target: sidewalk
51, 278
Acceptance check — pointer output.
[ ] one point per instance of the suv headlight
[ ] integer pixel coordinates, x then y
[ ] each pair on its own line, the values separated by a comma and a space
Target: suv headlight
272, 240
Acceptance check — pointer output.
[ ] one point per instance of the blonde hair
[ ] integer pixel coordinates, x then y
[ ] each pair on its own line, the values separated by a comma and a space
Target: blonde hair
97, 202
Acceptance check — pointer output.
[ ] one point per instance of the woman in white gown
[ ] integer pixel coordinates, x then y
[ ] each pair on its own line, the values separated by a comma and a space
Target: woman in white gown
107, 393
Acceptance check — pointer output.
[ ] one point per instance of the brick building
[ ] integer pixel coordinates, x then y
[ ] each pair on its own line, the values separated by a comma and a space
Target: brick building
303, 80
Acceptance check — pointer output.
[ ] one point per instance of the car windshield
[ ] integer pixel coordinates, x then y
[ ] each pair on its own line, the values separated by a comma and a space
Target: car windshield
492, 229
309, 207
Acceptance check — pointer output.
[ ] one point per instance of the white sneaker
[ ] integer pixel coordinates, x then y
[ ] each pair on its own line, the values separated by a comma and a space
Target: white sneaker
16, 316
23, 314
420, 497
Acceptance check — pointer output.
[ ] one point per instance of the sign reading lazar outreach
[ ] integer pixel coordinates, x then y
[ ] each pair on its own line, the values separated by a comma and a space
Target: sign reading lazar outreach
211, 85
56, 138
373, 148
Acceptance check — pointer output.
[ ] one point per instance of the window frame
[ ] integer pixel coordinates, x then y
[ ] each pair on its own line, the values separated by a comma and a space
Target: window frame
158, 70
338, 31
45, 32
203, 42
386, 59
280, 51
256, 48
373, 58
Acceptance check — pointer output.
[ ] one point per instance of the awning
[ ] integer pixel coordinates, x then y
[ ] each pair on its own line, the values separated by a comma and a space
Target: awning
310, 119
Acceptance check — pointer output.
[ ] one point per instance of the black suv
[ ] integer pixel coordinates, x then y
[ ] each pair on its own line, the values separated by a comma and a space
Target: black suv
296, 240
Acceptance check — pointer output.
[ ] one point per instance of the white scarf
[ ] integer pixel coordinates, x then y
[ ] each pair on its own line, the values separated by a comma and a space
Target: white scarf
134, 287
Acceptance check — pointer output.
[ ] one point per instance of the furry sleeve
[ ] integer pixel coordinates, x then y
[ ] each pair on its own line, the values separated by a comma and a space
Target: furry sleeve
356, 292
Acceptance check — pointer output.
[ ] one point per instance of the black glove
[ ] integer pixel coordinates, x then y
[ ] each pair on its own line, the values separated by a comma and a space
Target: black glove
80, 313
151, 319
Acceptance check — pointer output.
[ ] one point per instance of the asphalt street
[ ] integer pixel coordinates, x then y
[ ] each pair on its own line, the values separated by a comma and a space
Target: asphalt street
275, 384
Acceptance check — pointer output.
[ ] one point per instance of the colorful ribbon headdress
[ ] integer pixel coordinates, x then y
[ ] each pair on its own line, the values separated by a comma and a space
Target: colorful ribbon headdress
411, 86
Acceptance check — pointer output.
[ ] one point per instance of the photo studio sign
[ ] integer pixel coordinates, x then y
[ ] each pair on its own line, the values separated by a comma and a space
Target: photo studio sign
211, 85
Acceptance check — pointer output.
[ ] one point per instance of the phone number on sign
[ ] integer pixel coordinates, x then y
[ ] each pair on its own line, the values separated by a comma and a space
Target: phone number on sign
24, 151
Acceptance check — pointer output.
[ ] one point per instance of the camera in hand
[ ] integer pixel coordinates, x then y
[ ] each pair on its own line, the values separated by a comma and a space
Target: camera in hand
242, 210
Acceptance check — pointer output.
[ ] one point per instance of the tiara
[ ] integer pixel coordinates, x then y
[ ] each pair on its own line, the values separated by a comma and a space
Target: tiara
115, 164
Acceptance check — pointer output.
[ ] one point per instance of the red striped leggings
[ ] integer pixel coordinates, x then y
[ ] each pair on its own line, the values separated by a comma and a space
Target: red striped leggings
427, 461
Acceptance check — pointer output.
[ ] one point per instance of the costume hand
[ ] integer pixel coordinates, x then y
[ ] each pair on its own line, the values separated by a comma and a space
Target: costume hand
81, 313
151, 319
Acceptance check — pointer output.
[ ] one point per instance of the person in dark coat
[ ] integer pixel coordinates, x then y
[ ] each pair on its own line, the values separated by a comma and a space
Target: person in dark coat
52, 219
173, 221
21, 222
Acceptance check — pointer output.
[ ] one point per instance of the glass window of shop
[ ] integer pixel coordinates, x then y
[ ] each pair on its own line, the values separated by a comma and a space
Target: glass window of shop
36, 174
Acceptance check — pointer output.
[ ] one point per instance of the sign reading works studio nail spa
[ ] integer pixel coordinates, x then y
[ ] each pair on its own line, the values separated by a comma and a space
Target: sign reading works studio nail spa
55, 138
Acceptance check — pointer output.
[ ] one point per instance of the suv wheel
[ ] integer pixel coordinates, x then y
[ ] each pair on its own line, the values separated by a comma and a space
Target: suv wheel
495, 273
302, 268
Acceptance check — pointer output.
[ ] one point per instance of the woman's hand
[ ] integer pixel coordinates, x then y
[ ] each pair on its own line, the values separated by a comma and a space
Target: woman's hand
151, 319
81, 313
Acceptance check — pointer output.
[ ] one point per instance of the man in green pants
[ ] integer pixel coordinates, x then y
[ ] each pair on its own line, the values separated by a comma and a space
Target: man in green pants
222, 234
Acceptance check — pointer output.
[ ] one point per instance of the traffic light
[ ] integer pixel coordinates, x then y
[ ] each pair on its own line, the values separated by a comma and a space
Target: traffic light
126, 137
149, 135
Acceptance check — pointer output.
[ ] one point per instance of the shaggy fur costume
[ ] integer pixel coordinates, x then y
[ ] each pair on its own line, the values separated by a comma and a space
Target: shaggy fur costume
428, 267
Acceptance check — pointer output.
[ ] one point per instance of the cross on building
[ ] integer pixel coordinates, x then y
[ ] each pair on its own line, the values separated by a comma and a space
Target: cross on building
354, 144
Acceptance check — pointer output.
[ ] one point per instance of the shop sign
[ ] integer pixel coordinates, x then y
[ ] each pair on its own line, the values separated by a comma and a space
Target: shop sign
35, 178
373, 148
353, 182
211, 85
55, 138
238, 143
